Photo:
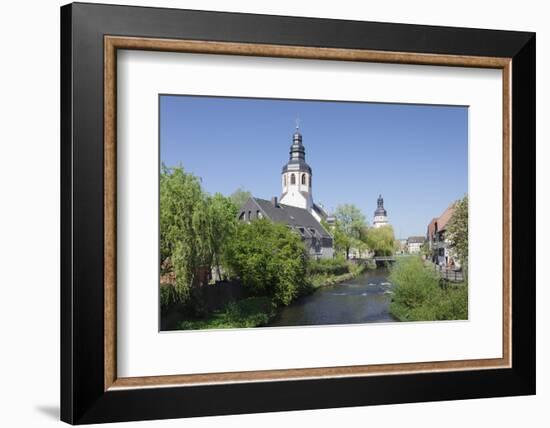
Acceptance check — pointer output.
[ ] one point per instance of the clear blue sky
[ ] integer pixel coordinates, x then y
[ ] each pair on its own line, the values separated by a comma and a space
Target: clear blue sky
416, 156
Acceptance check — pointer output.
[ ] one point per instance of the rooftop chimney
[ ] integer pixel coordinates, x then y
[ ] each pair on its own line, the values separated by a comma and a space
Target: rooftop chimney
274, 201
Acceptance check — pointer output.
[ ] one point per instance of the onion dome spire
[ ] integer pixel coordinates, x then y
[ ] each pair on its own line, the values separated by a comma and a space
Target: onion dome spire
380, 210
297, 153
297, 150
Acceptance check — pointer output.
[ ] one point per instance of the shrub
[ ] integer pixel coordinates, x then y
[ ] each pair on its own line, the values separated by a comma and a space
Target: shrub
250, 312
336, 266
331, 271
419, 297
269, 259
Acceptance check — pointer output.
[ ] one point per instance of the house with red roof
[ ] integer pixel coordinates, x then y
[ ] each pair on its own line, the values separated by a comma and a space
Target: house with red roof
438, 242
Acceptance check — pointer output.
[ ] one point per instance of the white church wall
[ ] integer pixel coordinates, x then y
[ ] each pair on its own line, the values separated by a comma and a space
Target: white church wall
294, 198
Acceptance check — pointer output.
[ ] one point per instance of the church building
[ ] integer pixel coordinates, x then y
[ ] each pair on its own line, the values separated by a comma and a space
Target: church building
296, 180
295, 208
380, 215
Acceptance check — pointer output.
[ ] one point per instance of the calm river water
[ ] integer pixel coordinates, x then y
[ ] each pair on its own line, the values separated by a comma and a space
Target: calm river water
361, 300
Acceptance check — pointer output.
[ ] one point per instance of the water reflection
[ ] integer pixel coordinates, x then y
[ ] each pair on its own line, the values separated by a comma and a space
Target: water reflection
364, 299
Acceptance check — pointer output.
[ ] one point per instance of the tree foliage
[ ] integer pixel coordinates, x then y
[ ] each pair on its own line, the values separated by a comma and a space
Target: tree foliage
457, 232
381, 240
349, 229
269, 259
194, 227
425, 250
334, 266
222, 216
240, 196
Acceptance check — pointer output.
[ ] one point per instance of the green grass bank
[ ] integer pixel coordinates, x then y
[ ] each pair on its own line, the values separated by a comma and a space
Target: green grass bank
420, 295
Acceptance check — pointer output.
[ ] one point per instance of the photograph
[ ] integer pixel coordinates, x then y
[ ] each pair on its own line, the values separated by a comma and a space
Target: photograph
292, 212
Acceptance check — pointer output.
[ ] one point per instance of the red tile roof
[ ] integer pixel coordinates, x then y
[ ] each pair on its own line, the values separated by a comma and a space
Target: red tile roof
444, 218
442, 221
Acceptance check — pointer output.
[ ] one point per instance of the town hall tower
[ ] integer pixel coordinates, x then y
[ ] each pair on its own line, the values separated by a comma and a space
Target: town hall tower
380, 215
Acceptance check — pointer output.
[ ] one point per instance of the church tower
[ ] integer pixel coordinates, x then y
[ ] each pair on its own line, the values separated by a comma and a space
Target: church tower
296, 176
380, 215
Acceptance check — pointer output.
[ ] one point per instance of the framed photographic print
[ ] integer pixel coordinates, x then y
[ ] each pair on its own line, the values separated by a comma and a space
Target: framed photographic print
266, 213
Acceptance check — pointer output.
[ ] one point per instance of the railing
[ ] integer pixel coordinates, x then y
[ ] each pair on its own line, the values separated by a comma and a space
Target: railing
449, 274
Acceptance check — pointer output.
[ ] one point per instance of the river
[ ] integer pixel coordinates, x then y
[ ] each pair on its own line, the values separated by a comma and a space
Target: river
364, 299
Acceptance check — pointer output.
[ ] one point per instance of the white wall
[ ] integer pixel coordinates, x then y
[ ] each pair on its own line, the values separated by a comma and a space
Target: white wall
29, 214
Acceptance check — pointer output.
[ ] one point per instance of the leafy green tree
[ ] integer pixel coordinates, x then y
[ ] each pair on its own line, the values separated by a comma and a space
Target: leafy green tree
381, 240
457, 232
270, 259
222, 218
240, 196
184, 224
425, 250
349, 228
339, 239
342, 242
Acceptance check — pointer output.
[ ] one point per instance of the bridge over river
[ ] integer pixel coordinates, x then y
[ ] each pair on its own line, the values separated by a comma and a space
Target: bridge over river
391, 258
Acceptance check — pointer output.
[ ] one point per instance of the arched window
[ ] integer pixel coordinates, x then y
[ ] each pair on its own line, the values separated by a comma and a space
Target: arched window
310, 181
303, 179
284, 180
292, 179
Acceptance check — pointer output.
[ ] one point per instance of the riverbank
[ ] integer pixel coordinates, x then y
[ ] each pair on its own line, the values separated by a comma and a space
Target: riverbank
421, 295
323, 280
249, 312
261, 310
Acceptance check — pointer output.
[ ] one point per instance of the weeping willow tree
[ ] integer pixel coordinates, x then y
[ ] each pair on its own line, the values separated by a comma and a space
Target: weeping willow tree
194, 228
222, 216
240, 196
185, 244
381, 240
